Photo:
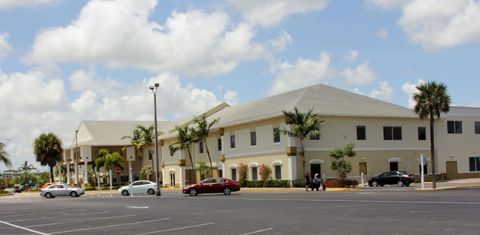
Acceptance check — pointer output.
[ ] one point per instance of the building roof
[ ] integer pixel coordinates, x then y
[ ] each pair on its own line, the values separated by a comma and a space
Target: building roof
325, 100
460, 111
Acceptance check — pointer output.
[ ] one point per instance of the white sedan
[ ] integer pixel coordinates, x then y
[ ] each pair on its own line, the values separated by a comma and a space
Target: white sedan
138, 187
61, 190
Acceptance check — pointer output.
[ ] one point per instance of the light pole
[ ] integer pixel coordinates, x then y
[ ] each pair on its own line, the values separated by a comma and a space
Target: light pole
154, 89
77, 182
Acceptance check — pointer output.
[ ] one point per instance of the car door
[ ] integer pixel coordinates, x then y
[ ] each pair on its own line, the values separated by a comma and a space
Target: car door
137, 187
208, 186
219, 185
61, 190
392, 178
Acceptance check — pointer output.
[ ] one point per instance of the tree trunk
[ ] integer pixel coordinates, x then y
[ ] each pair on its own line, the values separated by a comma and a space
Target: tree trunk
209, 158
302, 156
193, 166
432, 150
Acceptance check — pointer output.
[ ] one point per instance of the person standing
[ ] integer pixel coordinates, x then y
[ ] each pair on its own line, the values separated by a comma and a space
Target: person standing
307, 181
316, 182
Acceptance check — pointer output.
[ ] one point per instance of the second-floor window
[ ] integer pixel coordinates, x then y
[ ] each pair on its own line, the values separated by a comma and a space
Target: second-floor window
477, 127
200, 147
361, 133
454, 127
232, 141
392, 133
253, 138
422, 133
219, 141
276, 135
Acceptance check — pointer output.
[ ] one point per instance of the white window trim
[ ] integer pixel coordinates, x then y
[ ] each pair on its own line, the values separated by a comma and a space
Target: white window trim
277, 163
316, 161
233, 166
394, 159
253, 164
171, 171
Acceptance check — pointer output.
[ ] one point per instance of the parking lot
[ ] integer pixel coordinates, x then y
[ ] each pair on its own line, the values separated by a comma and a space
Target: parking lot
384, 211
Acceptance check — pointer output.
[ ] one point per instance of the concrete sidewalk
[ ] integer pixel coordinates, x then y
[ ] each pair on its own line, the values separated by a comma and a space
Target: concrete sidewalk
452, 184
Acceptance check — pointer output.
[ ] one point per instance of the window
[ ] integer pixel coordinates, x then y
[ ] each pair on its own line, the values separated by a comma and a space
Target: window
454, 127
393, 166
254, 173
477, 127
232, 141
253, 138
200, 147
220, 172
422, 133
276, 135
474, 163
219, 144
392, 133
278, 172
234, 174
361, 133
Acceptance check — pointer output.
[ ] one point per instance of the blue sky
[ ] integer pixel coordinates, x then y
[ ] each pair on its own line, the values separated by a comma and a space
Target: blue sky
66, 61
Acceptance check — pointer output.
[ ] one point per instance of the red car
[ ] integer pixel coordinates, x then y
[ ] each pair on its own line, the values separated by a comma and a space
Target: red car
212, 185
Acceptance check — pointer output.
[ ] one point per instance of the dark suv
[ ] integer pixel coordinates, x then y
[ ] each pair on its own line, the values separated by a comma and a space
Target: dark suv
391, 177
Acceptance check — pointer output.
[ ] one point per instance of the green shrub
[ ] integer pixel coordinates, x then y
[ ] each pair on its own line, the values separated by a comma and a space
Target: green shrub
299, 183
267, 183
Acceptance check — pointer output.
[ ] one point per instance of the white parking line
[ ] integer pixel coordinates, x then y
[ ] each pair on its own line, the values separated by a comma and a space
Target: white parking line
23, 228
176, 229
137, 207
50, 217
258, 231
78, 221
109, 226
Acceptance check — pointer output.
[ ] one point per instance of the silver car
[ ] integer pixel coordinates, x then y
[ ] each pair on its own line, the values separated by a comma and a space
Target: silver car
61, 190
138, 187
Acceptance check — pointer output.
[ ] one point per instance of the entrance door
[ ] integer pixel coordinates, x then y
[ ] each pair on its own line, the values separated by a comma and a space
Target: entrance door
452, 169
362, 166
393, 166
172, 180
315, 168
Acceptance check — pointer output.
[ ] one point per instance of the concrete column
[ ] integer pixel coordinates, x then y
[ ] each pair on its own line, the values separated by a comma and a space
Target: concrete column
182, 176
85, 180
292, 167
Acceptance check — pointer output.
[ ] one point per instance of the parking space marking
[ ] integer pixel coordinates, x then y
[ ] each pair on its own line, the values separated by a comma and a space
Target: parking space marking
77, 221
23, 228
50, 217
109, 226
176, 229
258, 231
138, 207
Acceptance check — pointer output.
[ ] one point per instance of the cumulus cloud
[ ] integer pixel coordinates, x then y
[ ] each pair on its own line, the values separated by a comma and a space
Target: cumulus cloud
119, 33
304, 72
360, 75
281, 42
384, 92
7, 4
437, 24
5, 48
269, 13
352, 55
411, 88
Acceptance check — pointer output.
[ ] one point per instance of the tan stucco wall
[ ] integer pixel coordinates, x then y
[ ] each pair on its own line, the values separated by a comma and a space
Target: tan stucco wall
268, 160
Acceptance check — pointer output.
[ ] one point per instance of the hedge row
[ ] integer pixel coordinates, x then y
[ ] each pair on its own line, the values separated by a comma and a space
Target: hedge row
265, 183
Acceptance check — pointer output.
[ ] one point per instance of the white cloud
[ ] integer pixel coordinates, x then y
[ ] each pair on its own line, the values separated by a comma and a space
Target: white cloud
5, 48
231, 97
382, 34
269, 13
352, 55
409, 89
7, 4
387, 4
385, 92
281, 42
120, 34
303, 73
360, 75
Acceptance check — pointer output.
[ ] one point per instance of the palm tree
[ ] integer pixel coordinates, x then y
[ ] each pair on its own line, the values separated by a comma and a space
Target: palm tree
184, 140
26, 168
135, 139
201, 132
48, 151
108, 160
431, 101
148, 136
4, 155
303, 125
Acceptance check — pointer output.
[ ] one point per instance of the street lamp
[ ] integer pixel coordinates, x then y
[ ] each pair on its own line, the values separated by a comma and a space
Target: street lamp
154, 89
77, 182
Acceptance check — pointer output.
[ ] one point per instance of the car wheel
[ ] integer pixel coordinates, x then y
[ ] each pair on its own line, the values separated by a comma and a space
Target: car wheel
375, 184
125, 193
400, 183
227, 191
150, 191
193, 192
48, 195
73, 194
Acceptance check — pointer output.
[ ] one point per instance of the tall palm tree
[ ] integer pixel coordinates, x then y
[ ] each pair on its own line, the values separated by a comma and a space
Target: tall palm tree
4, 155
431, 101
148, 136
27, 168
135, 139
184, 139
48, 151
201, 132
108, 160
303, 125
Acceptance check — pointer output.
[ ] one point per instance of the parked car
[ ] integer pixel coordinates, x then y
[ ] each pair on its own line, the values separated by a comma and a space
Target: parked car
392, 178
213, 185
61, 190
139, 187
